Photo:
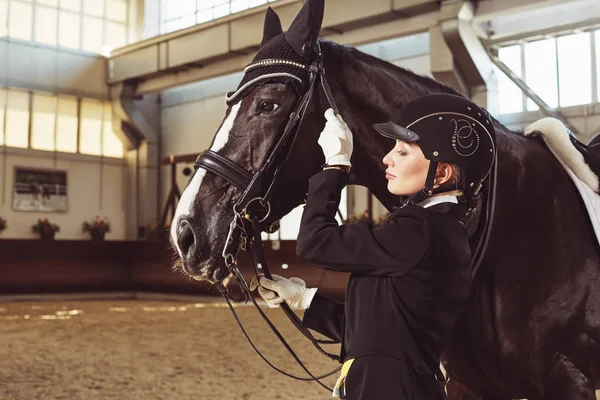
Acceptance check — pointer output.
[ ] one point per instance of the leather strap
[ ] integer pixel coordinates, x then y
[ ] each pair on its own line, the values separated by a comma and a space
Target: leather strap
225, 168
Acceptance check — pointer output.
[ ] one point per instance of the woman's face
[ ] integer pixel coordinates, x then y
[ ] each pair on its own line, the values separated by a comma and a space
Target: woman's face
406, 169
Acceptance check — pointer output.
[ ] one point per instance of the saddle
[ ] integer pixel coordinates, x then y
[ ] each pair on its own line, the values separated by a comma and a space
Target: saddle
583, 160
580, 161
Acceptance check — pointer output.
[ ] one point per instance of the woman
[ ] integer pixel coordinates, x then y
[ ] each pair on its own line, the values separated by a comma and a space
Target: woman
410, 275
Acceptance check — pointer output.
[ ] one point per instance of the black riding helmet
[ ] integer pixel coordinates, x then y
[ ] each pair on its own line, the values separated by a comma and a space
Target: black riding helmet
448, 128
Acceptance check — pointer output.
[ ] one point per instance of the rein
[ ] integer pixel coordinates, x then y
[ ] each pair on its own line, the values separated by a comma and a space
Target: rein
254, 207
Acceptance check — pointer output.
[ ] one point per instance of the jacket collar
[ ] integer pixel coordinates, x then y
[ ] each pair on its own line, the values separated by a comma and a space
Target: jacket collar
432, 201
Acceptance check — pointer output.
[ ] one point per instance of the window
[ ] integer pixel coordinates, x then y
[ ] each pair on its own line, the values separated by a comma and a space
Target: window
68, 30
111, 144
574, 69
540, 71
116, 35
71, 5
19, 20
92, 37
43, 122
91, 127
63, 22
180, 14
3, 17
93, 7
17, 119
66, 125
56, 122
116, 10
558, 69
511, 97
46, 25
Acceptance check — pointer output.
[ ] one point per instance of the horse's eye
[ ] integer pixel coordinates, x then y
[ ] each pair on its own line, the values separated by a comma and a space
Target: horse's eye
268, 106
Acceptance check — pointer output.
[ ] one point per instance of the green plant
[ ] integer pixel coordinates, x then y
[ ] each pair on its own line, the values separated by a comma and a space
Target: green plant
44, 226
364, 218
2, 224
97, 226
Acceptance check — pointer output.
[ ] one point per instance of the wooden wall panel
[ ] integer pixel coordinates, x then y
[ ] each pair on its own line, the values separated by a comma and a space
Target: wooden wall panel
63, 266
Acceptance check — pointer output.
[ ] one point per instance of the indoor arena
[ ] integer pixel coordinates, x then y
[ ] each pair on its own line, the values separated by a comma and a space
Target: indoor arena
300, 199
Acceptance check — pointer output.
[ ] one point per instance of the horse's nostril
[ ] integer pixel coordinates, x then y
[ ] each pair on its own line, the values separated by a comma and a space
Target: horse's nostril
185, 237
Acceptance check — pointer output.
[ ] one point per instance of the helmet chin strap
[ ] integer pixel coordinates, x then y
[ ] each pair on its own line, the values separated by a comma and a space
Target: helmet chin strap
429, 189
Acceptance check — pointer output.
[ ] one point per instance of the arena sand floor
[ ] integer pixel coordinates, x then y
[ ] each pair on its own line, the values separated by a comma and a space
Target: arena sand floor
147, 350
141, 349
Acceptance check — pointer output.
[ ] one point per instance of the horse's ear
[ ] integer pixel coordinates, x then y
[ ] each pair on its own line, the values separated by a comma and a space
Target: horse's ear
304, 31
272, 26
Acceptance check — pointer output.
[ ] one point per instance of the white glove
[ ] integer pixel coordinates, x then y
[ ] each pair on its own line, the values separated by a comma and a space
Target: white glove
336, 140
293, 291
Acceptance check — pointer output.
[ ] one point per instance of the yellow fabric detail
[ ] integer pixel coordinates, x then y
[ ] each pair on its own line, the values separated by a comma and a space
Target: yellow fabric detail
344, 372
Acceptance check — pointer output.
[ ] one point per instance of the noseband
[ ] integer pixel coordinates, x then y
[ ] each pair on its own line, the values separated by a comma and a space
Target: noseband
254, 207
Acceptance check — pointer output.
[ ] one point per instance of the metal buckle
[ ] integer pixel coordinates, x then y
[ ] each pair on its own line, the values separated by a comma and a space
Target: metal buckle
246, 215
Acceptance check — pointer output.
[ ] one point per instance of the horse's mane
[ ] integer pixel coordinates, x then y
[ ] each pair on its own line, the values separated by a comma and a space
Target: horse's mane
403, 77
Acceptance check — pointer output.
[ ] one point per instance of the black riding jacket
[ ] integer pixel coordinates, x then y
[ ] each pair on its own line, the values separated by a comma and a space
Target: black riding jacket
410, 276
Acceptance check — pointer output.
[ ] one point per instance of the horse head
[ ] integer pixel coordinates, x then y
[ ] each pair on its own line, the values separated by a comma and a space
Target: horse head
256, 117
275, 89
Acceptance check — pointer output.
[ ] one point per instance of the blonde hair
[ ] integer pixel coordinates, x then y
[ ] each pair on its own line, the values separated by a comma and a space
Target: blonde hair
456, 173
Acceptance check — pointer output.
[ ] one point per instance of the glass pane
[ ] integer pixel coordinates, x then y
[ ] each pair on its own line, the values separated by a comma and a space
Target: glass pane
42, 122
91, 127
575, 69
511, 97
68, 30
178, 8
116, 10
116, 35
66, 125
72, 5
19, 24
172, 26
17, 119
93, 7
2, 105
221, 11
204, 4
254, 3
111, 144
51, 3
92, 34
46, 29
204, 16
187, 20
238, 5
540, 71
3, 18
217, 2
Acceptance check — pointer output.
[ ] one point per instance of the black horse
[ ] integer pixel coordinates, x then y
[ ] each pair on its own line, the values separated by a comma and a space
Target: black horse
531, 327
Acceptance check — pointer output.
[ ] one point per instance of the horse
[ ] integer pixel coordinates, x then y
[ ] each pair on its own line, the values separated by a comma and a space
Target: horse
531, 325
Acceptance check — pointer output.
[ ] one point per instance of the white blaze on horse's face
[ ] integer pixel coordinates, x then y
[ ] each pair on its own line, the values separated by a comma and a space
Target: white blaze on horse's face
184, 207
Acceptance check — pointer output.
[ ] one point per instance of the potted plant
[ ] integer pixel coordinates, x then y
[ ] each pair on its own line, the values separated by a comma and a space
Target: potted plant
2, 224
364, 218
45, 229
97, 227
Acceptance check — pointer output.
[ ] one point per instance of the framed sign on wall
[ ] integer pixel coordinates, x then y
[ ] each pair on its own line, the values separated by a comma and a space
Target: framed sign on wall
40, 189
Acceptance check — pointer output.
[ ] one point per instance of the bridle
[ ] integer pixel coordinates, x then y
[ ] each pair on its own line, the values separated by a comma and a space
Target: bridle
254, 207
